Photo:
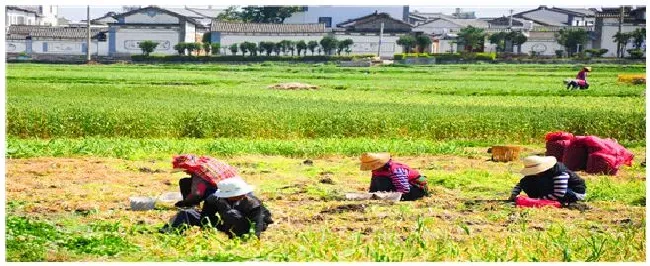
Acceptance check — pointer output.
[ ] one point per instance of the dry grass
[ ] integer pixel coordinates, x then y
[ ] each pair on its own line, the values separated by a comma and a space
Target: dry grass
313, 223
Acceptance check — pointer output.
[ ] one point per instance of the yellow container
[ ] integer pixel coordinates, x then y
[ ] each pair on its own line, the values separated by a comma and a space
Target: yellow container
632, 78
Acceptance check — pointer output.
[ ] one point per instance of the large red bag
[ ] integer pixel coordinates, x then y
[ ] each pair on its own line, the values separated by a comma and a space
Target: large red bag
556, 148
611, 147
526, 202
602, 163
575, 155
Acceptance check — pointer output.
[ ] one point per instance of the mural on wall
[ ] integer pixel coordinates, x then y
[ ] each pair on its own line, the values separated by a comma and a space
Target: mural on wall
133, 45
10, 47
371, 47
62, 47
538, 47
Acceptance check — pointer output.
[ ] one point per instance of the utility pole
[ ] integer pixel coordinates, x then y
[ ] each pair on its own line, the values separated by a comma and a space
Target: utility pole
381, 34
621, 48
510, 20
88, 28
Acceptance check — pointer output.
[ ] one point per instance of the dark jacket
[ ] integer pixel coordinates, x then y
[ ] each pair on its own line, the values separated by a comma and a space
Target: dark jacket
237, 217
539, 186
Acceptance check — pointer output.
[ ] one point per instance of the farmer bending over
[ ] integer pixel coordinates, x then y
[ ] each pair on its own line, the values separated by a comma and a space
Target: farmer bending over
238, 210
581, 79
546, 178
205, 172
391, 176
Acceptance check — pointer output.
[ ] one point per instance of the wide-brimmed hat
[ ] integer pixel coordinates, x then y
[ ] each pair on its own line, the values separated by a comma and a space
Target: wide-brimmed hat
232, 187
588, 69
537, 164
373, 161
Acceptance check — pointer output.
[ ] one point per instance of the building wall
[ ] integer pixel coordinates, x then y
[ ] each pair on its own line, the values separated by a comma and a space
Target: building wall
150, 17
15, 46
190, 32
60, 47
126, 40
341, 13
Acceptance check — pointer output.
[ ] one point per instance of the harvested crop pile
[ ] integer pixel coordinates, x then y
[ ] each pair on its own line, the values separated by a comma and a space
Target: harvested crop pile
293, 86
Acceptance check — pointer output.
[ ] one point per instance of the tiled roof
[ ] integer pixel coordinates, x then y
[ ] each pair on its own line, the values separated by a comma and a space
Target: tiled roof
23, 9
20, 32
266, 27
168, 11
505, 21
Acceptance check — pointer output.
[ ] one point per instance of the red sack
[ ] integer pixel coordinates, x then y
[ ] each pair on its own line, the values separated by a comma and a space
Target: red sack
602, 163
575, 154
526, 202
558, 135
556, 148
610, 147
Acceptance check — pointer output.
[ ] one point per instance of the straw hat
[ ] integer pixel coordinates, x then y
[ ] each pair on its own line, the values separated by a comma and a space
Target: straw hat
232, 187
373, 161
537, 164
588, 69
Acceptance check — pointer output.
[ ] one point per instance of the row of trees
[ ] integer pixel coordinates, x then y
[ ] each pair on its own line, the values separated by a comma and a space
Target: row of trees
637, 36
190, 47
258, 14
328, 45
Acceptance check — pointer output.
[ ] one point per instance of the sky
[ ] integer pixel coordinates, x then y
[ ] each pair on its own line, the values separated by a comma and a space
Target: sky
77, 13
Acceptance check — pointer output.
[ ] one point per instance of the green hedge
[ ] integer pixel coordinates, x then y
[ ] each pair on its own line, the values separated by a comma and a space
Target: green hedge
234, 58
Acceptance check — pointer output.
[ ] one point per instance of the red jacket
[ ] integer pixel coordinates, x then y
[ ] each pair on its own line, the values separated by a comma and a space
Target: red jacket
400, 174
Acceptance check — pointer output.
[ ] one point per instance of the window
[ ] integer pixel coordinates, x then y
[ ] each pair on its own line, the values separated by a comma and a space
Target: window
21, 21
326, 20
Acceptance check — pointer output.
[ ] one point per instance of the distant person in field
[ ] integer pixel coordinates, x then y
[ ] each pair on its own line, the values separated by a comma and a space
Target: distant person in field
238, 211
204, 174
391, 176
545, 178
581, 80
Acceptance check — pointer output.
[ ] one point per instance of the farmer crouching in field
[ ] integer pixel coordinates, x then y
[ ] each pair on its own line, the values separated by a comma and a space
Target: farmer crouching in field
581, 80
205, 172
238, 210
546, 178
391, 176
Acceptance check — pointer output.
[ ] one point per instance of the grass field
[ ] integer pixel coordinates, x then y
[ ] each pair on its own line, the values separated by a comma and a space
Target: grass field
82, 139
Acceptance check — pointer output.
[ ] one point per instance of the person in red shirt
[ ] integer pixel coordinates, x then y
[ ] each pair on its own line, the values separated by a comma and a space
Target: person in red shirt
391, 176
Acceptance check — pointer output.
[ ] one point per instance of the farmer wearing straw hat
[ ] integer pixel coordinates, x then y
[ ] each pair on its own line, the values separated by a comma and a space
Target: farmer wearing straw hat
391, 176
238, 209
546, 178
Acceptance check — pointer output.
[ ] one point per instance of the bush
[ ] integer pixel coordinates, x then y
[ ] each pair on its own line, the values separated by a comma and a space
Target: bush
235, 58
559, 53
486, 56
596, 52
635, 53
446, 56
398, 56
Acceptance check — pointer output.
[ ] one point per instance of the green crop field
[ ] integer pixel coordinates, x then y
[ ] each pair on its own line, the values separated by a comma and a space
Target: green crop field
82, 139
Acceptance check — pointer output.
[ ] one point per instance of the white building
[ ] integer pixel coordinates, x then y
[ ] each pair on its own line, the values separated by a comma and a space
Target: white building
46, 15
607, 26
150, 24
334, 15
20, 16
